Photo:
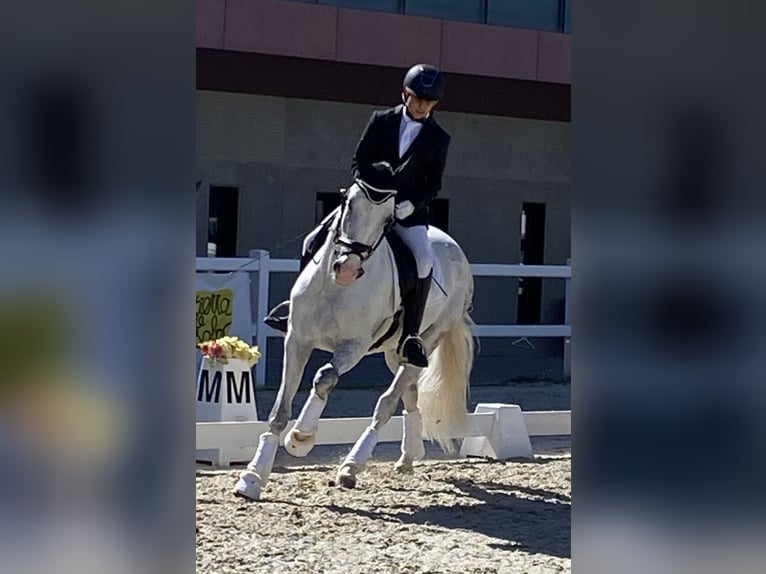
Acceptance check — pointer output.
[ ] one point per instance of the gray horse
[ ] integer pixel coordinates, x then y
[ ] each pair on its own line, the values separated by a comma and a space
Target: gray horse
337, 306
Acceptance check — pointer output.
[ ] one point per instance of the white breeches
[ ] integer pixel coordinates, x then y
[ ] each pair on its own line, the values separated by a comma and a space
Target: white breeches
416, 239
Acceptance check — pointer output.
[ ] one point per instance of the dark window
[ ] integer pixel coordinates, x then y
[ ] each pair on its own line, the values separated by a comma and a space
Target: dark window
532, 253
468, 10
380, 5
536, 14
440, 214
324, 205
552, 15
222, 220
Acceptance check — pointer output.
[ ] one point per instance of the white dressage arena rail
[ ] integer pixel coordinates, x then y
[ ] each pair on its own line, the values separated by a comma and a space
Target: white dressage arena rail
495, 430
260, 260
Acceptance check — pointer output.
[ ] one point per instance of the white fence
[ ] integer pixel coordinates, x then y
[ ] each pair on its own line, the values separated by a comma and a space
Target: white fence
232, 434
261, 262
495, 431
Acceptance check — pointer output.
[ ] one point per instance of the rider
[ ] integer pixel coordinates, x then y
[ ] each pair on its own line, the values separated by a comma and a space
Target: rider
404, 148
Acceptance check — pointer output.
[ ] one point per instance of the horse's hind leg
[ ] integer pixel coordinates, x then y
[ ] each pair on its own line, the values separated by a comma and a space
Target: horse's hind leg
256, 476
412, 439
357, 459
300, 440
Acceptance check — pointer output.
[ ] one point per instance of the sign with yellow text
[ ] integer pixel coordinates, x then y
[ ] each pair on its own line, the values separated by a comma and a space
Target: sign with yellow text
223, 306
214, 314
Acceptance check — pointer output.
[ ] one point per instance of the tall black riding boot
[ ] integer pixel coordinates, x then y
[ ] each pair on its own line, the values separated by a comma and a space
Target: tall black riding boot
410, 345
277, 317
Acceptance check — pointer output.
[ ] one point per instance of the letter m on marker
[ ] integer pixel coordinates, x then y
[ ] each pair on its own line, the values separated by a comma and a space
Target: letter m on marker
243, 391
206, 392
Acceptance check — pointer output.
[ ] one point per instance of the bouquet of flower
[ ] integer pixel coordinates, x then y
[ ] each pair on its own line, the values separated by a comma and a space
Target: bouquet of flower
225, 348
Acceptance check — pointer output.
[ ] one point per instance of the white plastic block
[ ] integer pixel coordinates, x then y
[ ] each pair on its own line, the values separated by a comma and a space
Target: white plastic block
508, 439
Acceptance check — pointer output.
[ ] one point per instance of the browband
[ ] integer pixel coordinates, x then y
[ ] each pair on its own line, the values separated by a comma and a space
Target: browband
375, 195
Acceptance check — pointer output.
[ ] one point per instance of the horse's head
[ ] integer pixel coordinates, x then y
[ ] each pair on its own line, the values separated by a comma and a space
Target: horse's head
367, 214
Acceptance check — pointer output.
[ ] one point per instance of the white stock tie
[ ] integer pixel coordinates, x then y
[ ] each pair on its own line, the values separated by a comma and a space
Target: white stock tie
408, 131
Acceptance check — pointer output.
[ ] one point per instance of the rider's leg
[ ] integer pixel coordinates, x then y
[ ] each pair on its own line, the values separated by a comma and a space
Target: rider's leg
410, 344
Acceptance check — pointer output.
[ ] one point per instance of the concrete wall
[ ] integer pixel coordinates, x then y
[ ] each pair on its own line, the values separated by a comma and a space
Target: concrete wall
281, 151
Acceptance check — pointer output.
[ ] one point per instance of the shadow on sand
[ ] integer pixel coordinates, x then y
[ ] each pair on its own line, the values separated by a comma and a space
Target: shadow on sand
538, 525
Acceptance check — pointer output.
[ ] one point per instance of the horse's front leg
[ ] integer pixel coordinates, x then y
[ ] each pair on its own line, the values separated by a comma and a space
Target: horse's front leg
357, 459
300, 440
256, 476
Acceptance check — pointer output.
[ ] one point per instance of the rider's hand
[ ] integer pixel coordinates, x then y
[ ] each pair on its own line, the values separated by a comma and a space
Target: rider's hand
404, 209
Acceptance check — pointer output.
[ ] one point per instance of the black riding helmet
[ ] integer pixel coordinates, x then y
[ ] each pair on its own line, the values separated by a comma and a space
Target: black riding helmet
425, 81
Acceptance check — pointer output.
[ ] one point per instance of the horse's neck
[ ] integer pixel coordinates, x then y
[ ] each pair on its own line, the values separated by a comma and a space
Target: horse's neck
321, 275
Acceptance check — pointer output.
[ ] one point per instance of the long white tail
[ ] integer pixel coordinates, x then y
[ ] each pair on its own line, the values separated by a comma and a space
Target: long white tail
443, 386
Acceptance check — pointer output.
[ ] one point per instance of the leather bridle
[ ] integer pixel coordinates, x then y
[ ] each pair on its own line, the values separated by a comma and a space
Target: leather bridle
344, 246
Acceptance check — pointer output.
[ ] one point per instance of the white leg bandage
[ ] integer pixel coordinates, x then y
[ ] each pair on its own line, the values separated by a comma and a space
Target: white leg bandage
363, 448
264, 457
308, 420
412, 441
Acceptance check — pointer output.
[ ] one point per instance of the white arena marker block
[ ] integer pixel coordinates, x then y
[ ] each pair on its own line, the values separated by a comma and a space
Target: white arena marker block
508, 439
225, 393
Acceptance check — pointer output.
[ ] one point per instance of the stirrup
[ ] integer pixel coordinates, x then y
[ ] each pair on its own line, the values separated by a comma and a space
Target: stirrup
413, 352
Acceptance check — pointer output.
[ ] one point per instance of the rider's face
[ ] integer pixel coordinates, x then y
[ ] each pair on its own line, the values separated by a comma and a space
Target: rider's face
418, 108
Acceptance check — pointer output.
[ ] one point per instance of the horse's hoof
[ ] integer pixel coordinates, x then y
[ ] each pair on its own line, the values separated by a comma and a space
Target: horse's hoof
403, 466
299, 447
416, 450
248, 487
346, 478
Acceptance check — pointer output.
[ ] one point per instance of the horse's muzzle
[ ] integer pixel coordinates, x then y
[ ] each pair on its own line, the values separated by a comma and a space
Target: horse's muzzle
347, 269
